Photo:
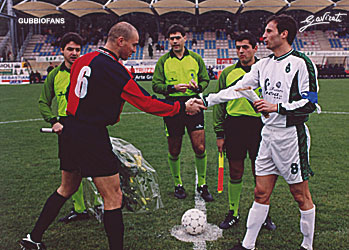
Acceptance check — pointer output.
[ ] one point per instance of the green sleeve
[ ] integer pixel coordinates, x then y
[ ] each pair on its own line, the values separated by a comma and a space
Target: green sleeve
159, 81
219, 110
203, 77
46, 97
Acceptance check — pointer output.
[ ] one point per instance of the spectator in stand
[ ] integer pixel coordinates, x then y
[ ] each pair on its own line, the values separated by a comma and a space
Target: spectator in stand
158, 47
31, 77
133, 72
194, 42
150, 50
162, 48
49, 68
37, 77
211, 73
150, 40
218, 34
341, 71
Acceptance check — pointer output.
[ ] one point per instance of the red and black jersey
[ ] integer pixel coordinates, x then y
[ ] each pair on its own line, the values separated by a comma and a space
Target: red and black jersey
99, 86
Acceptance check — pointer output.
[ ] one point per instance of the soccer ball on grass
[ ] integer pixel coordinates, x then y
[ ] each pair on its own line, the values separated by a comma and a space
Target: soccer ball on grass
194, 221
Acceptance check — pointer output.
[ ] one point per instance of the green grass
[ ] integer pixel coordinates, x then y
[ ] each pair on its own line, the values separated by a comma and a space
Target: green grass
29, 173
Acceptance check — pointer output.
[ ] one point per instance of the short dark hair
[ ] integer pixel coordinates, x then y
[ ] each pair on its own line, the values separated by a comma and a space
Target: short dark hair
71, 37
174, 28
247, 36
285, 22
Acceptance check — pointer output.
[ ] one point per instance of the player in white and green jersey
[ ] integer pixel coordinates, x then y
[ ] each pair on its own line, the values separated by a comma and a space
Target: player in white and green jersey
180, 75
288, 80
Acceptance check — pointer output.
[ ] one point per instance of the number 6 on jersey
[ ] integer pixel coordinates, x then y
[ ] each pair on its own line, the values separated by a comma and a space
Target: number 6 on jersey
81, 85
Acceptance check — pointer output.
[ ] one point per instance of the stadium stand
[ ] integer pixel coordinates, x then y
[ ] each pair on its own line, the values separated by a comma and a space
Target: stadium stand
209, 45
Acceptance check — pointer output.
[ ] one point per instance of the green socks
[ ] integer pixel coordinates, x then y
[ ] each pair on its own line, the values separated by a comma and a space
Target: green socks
201, 165
78, 199
234, 191
175, 168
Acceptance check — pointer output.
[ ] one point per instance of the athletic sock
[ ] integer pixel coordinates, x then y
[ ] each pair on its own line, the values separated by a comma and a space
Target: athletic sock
175, 168
114, 228
307, 225
234, 191
49, 212
78, 200
201, 165
256, 217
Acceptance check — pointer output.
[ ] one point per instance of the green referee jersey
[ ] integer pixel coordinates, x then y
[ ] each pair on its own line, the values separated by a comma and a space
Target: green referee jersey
170, 70
237, 107
55, 85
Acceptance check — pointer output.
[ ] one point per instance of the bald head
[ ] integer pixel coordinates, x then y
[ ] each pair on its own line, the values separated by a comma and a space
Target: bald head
122, 40
122, 29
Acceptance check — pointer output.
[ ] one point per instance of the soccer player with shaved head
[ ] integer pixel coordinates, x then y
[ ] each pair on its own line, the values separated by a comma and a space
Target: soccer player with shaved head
99, 87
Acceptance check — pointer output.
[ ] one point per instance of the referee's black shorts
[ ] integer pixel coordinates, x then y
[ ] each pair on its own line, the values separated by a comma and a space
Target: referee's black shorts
87, 149
175, 126
242, 135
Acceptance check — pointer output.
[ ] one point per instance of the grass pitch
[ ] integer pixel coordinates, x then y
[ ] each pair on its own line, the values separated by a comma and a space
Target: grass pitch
29, 174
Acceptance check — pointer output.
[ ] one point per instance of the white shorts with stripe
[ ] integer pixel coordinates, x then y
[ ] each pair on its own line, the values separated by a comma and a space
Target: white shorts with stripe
285, 152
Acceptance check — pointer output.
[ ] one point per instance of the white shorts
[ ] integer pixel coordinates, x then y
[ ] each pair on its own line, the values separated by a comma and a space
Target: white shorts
285, 152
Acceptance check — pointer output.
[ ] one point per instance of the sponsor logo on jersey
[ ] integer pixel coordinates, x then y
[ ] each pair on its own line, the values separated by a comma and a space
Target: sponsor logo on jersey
273, 91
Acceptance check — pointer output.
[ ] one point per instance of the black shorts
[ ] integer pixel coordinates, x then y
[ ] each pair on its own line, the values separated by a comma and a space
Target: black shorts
242, 135
175, 126
86, 149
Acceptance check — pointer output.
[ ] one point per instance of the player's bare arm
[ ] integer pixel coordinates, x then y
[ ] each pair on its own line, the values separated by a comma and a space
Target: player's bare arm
264, 106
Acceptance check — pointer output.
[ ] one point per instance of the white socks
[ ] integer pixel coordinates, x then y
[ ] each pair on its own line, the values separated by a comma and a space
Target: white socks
257, 215
307, 225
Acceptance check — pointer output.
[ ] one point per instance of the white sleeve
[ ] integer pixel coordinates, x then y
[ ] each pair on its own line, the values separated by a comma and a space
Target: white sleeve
250, 79
308, 88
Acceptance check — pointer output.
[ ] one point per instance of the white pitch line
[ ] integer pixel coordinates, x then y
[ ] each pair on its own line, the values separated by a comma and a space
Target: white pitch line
335, 113
143, 113
28, 120
199, 204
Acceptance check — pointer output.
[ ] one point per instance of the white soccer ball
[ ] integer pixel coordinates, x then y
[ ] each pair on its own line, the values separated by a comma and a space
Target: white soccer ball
194, 221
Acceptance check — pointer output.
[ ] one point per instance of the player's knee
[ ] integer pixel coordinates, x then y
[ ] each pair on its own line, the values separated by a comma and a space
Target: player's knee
299, 196
113, 198
236, 170
300, 199
199, 149
67, 191
261, 195
174, 153
236, 175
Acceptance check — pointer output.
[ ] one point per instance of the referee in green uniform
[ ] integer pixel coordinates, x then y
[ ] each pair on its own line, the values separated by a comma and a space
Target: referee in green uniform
56, 85
238, 127
181, 74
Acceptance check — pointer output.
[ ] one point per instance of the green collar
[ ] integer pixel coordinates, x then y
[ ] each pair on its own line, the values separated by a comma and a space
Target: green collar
283, 56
